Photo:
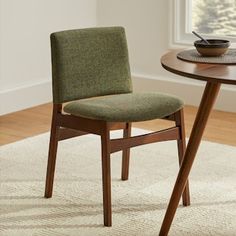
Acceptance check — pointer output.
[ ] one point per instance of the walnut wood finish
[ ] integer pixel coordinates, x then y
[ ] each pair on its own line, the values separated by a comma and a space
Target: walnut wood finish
181, 143
215, 73
65, 133
126, 154
163, 135
65, 126
52, 153
106, 176
207, 72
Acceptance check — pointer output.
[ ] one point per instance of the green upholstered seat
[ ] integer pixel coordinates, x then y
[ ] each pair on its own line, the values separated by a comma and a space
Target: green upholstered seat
125, 107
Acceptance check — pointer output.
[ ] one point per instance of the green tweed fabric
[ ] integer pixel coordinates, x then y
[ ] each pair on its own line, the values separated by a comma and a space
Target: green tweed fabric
126, 107
89, 62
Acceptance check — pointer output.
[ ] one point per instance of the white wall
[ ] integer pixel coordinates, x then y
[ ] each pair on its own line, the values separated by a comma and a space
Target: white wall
25, 25
147, 26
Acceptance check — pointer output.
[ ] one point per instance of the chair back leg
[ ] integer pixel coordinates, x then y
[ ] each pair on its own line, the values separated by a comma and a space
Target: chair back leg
181, 143
52, 155
126, 154
106, 177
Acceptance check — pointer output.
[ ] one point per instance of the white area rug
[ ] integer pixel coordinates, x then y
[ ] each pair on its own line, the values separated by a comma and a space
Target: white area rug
138, 204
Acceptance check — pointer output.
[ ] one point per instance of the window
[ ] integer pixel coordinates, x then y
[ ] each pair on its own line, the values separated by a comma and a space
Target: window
210, 18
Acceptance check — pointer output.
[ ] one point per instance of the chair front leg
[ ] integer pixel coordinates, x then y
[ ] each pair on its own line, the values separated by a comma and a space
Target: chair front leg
126, 154
181, 150
106, 177
52, 153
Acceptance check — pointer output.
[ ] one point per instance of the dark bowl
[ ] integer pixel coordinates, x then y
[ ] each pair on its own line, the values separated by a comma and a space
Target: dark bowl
217, 47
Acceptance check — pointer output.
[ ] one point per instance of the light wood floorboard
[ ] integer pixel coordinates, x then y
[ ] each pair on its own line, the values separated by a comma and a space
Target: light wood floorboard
221, 127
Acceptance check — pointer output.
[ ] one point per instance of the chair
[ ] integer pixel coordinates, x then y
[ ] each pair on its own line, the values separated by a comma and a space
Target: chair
91, 75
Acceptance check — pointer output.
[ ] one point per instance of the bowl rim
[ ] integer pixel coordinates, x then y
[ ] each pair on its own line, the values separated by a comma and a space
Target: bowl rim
223, 43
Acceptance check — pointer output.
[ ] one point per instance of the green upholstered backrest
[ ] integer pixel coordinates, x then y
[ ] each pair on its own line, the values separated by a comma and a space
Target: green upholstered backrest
89, 62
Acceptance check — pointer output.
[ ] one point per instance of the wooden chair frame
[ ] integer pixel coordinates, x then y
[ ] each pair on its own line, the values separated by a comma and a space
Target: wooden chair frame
66, 126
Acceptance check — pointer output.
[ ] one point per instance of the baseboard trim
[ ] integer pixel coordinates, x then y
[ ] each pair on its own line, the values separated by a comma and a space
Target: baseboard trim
27, 96
190, 91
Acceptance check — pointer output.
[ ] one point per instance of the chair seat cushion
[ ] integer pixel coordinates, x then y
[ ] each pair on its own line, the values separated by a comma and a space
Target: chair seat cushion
129, 107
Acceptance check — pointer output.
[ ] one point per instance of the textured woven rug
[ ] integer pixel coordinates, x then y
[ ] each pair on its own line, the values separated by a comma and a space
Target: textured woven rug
138, 204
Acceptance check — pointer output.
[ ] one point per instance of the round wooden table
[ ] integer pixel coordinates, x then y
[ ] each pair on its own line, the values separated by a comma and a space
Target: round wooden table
214, 75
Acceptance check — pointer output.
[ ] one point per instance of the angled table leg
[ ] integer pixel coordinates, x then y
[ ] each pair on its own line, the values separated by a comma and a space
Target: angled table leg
207, 102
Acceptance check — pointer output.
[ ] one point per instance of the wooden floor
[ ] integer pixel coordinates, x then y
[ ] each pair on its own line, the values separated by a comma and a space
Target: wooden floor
221, 127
